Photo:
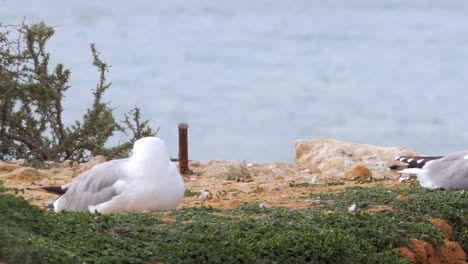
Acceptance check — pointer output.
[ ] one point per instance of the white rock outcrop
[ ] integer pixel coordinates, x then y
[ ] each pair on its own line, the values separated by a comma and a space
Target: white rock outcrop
332, 158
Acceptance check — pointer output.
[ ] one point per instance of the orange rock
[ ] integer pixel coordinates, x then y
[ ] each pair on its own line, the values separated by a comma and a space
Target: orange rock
448, 252
423, 252
445, 228
358, 172
235, 202
407, 253
451, 252
402, 198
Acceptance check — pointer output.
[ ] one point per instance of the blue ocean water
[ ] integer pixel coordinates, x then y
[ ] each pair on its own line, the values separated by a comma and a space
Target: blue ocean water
251, 77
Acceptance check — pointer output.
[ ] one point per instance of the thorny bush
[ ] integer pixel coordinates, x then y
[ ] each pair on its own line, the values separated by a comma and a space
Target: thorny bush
31, 111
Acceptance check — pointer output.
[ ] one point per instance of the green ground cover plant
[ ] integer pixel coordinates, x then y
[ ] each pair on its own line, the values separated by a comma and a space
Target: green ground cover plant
248, 234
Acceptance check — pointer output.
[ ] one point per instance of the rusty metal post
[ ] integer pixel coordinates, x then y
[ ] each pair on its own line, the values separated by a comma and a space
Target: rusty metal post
183, 149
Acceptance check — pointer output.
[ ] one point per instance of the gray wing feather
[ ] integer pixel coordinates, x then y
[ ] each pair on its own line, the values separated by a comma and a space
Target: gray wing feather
449, 172
93, 187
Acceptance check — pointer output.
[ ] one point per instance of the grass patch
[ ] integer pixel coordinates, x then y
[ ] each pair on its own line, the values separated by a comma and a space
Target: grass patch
250, 233
189, 193
301, 185
308, 184
422, 204
334, 183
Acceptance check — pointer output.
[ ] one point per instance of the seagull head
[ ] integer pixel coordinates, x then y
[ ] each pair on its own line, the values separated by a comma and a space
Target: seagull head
150, 150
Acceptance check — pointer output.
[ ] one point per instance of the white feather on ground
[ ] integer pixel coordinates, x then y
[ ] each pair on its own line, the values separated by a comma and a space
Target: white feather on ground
449, 172
148, 180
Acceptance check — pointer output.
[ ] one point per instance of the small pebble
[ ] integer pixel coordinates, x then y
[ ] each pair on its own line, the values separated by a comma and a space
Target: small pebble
203, 195
402, 198
44, 182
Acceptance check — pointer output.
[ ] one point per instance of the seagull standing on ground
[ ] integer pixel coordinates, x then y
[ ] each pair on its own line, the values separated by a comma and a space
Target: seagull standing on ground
148, 180
447, 172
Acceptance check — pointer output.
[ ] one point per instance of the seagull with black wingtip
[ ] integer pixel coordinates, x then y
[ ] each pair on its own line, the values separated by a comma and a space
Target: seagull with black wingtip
434, 172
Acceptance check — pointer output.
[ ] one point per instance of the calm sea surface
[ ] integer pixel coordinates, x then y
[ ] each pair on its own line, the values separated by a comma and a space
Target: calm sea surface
251, 77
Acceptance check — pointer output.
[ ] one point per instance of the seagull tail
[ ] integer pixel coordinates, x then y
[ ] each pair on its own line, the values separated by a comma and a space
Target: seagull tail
414, 162
50, 203
54, 189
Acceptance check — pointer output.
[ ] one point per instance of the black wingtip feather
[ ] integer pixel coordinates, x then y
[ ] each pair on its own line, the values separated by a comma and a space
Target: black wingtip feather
415, 162
54, 189
398, 167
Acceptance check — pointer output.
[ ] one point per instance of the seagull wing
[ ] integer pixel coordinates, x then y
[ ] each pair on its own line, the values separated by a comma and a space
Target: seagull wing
449, 172
93, 187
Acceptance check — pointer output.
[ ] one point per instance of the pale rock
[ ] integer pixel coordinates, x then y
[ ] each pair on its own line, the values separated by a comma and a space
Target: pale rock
194, 164
279, 178
271, 170
23, 174
67, 164
91, 163
333, 166
203, 195
38, 196
281, 168
216, 162
53, 165
60, 165
313, 179
333, 158
57, 173
260, 170
8, 167
44, 182
20, 162
234, 171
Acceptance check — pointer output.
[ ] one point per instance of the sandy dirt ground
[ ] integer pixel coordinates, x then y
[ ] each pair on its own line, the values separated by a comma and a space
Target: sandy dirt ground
286, 188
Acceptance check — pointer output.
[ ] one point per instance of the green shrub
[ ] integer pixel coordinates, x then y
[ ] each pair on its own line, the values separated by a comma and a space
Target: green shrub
31, 112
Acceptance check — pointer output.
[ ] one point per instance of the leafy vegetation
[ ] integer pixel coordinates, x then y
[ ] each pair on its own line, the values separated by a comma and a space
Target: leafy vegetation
250, 234
31, 112
308, 184
189, 193
422, 203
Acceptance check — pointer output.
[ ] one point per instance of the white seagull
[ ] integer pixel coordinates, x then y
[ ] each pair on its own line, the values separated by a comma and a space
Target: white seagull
446, 172
148, 180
